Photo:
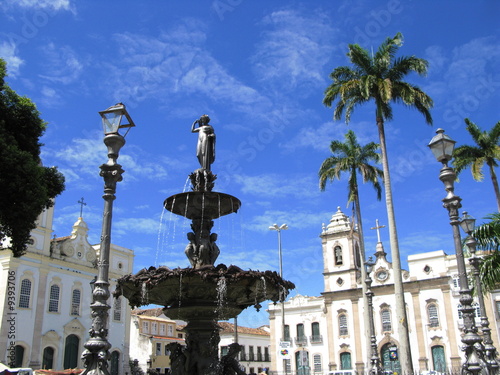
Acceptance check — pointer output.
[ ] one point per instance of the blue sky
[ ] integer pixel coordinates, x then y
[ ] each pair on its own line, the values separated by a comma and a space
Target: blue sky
259, 70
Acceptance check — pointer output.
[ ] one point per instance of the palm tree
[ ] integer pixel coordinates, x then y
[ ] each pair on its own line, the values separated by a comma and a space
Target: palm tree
379, 78
352, 158
486, 152
487, 236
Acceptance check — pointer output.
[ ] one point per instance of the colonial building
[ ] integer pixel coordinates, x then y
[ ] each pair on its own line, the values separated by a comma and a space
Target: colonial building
328, 333
45, 304
151, 332
255, 354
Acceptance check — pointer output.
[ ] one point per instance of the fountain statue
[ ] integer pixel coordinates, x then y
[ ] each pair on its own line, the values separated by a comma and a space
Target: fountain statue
204, 293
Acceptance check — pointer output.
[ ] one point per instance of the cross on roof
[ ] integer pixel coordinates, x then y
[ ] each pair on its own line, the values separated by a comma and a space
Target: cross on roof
378, 227
81, 206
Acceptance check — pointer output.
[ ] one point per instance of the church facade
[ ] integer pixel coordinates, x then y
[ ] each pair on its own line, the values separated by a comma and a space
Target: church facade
330, 333
45, 307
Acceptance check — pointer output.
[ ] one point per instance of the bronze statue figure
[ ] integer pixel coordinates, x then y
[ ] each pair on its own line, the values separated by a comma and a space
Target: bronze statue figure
205, 149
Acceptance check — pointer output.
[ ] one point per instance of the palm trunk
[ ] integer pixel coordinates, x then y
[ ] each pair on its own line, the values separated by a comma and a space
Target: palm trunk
366, 311
402, 322
495, 185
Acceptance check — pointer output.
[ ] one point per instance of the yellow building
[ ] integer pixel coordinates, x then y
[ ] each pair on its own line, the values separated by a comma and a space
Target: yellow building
150, 333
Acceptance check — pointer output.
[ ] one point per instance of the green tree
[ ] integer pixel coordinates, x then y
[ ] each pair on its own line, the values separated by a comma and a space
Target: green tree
487, 236
380, 78
27, 187
486, 151
352, 158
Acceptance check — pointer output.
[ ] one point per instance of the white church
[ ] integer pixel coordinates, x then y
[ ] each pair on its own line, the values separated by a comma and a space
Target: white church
328, 332
45, 304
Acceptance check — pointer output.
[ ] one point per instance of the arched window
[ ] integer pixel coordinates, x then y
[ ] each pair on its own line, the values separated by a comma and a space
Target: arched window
301, 337
357, 255
438, 359
25, 294
71, 352
19, 356
345, 361
432, 313
317, 364
337, 252
316, 336
54, 298
117, 309
48, 358
75, 302
343, 328
287, 333
385, 316
115, 362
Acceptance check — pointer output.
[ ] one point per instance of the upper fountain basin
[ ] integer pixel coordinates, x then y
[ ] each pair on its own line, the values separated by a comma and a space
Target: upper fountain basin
196, 205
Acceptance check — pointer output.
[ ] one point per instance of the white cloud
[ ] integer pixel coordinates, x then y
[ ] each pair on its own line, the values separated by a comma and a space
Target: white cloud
62, 64
8, 52
136, 225
44, 4
319, 138
294, 49
175, 63
85, 155
277, 186
293, 218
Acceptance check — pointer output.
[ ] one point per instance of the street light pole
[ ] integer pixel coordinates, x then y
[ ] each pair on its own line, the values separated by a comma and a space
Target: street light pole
467, 223
375, 368
96, 354
442, 147
282, 292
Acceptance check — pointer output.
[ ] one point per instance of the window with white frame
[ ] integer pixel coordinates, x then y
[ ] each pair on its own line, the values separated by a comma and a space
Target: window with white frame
170, 330
145, 327
343, 328
55, 291
117, 309
385, 316
75, 302
432, 313
475, 306
154, 328
158, 348
25, 294
317, 363
163, 330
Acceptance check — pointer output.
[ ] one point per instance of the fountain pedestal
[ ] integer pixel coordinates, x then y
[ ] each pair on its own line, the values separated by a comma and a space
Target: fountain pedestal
202, 294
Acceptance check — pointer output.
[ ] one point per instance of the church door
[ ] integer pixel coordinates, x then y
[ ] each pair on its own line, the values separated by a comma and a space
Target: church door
390, 358
438, 359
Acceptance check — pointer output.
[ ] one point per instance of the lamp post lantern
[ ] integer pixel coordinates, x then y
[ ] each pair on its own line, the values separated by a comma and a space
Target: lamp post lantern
96, 354
467, 223
375, 368
282, 296
442, 147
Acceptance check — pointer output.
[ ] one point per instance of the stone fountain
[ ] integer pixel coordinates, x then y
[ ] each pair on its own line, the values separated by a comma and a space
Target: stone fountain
204, 293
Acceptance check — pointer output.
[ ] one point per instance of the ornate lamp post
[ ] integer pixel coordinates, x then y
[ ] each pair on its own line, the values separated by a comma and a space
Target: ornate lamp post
375, 368
468, 223
442, 147
279, 229
96, 353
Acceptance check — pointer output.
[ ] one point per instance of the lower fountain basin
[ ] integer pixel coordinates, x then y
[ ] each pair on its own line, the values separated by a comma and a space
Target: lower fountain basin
195, 204
220, 292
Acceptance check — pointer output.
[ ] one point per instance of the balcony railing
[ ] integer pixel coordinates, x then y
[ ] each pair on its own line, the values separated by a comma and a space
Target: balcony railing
301, 340
316, 339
